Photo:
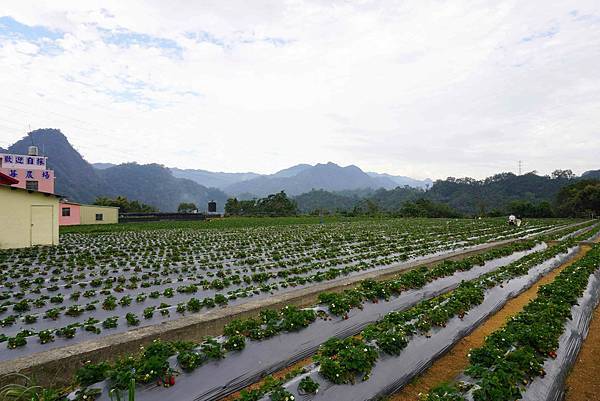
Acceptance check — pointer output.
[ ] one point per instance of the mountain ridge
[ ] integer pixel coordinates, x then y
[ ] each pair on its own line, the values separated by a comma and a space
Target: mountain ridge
79, 181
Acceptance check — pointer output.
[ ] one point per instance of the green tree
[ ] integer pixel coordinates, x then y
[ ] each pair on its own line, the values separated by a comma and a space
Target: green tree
124, 205
580, 199
273, 205
187, 207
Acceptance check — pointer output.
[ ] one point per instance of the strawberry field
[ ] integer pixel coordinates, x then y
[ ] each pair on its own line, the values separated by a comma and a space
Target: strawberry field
364, 343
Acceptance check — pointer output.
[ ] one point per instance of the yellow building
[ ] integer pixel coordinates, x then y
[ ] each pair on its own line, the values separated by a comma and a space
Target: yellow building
92, 214
27, 217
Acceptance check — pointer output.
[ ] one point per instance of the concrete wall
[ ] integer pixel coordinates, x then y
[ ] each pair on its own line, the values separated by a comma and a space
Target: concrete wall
73, 219
110, 215
16, 217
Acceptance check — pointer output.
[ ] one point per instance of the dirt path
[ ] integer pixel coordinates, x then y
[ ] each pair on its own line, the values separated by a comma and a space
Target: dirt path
455, 361
583, 383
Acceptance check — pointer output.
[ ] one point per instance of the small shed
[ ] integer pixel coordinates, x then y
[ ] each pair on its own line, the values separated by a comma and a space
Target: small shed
72, 213
27, 217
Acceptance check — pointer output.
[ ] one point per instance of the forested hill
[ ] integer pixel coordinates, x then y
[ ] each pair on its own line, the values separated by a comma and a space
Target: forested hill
466, 195
78, 180
496, 192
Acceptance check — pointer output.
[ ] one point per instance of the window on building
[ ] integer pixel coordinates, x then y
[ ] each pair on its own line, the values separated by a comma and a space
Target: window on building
99, 217
66, 211
31, 185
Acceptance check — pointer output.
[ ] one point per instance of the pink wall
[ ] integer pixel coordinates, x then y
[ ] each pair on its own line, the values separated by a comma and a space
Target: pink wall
73, 219
45, 178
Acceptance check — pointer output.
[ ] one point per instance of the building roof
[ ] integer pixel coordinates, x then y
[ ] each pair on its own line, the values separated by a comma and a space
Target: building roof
7, 180
30, 191
68, 202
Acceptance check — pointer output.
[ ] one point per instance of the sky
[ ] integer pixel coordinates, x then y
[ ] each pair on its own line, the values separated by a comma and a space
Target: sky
418, 88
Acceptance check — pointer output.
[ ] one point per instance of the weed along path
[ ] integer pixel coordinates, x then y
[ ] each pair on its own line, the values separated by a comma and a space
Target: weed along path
456, 360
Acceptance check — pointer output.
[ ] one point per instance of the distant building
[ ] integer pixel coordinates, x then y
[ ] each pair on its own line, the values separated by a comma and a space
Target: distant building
212, 207
27, 217
29, 170
72, 213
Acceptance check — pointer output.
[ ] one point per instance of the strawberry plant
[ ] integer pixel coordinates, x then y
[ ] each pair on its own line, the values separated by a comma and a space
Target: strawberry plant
235, 343
91, 373
46, 336
341, 361
132, 319
281, 394
308, 386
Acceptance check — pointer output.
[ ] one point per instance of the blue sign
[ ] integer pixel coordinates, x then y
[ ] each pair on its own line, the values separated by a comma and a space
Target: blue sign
13, 173
8, 159
46, 174
29, 174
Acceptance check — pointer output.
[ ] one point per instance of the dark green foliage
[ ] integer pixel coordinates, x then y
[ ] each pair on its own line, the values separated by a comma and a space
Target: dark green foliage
186, 207
125, 205
308, 386
90, 373
273, 205
579, 199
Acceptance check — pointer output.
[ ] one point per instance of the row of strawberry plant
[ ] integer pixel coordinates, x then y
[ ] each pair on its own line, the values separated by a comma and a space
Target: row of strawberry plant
268, 324
342, 303
514, 355
342, 361
368, 290
289, 319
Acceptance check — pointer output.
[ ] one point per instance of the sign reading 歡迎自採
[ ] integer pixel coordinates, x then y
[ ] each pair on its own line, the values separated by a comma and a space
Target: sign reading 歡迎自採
22, 162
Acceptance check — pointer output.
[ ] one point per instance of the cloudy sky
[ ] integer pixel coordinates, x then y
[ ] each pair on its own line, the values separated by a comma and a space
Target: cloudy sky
419, 88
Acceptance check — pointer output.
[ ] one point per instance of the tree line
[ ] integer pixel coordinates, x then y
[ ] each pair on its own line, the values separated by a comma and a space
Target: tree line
576, 197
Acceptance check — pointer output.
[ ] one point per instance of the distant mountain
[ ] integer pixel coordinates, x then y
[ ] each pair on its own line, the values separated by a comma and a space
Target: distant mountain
329, 177
591, 174
401, 181
212, 179
75, 178
102, 166
296, 179
80, 181
291, 171
155, 185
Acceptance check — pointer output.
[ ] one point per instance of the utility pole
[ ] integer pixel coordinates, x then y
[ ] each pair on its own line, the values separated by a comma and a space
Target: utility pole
520, 166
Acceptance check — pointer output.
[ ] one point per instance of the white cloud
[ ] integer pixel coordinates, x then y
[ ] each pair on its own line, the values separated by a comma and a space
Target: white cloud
420, 88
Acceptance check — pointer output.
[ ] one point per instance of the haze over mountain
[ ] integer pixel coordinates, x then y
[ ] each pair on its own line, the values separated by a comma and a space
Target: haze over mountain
400, 180
295, 180
212, 179
303, 178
